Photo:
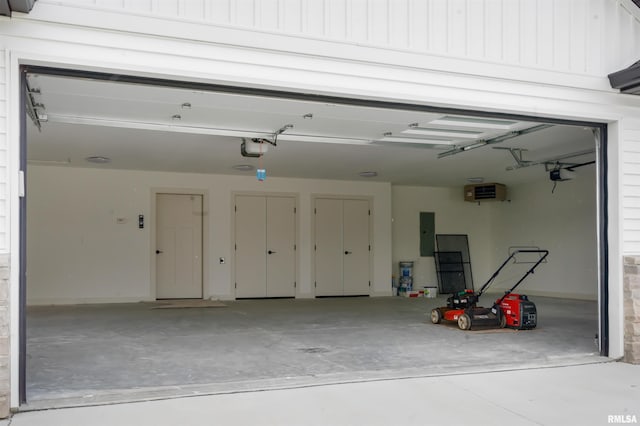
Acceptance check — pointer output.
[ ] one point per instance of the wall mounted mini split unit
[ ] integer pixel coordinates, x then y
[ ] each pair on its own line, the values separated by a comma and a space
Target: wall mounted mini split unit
485, 192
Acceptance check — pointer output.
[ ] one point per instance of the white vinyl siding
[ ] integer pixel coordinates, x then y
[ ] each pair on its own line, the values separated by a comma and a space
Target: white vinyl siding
4, 192
563, 35
631, 187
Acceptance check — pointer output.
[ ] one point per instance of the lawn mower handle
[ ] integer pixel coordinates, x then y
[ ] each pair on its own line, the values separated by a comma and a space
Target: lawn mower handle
544, 253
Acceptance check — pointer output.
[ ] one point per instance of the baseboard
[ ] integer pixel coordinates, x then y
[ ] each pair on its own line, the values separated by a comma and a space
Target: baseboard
305, 296
382, 293
87, 301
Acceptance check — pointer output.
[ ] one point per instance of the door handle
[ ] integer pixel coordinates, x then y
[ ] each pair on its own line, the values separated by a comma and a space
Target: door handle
347, 252
159, 251
271, 252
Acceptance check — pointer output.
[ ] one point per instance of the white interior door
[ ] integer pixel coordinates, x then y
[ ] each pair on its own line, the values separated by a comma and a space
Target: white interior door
356, 247
178, 246
328, 247
280, 247
250, 246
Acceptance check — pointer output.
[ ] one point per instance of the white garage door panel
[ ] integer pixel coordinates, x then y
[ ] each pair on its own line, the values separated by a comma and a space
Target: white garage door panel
250, 260
281, 235
356, 247
328, 247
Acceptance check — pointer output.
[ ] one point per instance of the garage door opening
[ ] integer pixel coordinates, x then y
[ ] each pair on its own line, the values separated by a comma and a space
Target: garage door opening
90, 270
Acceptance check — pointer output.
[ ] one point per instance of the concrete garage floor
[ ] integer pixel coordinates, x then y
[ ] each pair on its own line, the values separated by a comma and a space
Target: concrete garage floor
92, 354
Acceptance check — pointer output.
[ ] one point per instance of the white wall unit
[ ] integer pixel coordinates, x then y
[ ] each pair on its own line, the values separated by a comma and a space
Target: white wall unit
84, 204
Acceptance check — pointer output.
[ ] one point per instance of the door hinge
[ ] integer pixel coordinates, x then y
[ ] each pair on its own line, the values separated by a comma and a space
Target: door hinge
315, 247
294, 210
369, 212
235, 208
369, 283
295, 284
315, 211
235, 247
369, 248
295, 247
236, 285
315, 284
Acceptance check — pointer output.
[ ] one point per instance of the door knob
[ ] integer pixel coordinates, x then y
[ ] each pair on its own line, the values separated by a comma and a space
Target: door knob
271, 252
159, 251
347, 252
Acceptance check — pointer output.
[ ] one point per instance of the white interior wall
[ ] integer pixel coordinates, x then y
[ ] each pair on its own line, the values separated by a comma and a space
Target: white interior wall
77, 253
452, 216
563, 223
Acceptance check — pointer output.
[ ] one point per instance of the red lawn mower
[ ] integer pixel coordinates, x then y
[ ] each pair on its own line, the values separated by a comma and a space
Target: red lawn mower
511, 310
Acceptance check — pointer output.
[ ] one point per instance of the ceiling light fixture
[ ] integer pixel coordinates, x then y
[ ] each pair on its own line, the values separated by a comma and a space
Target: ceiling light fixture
186, 105
243, 167
475, 179
369, 174
176, 117
98, 159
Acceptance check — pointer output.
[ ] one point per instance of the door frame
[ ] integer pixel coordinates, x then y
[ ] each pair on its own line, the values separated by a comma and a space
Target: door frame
20, 62
232, 240
314, 197
151, 224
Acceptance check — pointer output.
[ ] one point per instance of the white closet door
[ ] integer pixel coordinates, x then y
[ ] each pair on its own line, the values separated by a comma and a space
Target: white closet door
280, 246
250, 256
328, 247
356, 242
178, 246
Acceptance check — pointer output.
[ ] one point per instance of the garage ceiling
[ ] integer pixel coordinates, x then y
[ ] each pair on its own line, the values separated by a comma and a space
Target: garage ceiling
145, 127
